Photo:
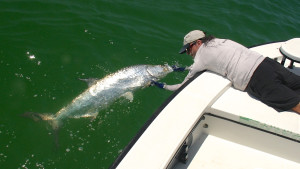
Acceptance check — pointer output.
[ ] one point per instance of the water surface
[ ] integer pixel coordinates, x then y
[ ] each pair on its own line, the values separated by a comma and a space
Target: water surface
46, 46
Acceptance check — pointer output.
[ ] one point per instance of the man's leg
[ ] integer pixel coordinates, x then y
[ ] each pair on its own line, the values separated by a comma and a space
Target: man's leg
297, 108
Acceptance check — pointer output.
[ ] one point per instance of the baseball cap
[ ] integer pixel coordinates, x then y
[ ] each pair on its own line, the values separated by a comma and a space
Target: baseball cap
191, 37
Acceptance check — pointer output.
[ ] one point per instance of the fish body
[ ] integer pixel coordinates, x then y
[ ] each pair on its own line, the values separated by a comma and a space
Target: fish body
104, 91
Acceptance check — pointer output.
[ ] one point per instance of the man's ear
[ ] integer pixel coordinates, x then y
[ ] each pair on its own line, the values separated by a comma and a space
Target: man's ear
199, 42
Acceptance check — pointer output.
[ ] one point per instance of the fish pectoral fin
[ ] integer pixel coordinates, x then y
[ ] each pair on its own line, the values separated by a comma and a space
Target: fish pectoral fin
93, 115
90, 81
90, 114
128, 95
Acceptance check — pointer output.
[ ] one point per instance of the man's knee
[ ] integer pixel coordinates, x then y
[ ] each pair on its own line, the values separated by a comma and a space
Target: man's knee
297, 108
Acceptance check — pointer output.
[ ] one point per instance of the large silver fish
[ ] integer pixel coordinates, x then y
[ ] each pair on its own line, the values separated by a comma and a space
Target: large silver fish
105, 91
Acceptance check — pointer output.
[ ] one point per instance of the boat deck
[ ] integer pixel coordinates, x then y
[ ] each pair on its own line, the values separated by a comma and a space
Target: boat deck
216, 152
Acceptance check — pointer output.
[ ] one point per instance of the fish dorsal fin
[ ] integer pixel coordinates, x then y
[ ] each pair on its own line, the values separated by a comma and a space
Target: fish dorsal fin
90, 81
128, 95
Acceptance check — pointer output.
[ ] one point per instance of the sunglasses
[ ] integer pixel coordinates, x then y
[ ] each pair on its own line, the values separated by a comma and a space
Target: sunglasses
190, 47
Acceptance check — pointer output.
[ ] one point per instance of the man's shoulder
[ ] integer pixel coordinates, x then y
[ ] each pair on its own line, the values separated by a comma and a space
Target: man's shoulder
215, 42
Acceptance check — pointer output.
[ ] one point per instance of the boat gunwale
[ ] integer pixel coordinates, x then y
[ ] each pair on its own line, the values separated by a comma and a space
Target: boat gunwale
150, 120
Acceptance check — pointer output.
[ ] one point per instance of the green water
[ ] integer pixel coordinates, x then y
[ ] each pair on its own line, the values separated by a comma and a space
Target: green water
45, 46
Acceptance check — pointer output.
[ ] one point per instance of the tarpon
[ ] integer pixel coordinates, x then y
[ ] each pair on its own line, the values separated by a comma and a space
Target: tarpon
104, 91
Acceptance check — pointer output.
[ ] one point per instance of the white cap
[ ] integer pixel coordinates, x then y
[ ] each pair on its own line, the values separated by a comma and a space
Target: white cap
191, 37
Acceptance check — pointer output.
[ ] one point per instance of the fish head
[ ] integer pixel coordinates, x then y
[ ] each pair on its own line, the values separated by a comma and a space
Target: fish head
159, 71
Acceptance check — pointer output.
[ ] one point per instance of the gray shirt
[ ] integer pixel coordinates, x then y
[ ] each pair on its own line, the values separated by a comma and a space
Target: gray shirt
227, 58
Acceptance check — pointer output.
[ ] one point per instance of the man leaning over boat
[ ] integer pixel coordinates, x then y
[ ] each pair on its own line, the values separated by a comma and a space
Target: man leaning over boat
249, 71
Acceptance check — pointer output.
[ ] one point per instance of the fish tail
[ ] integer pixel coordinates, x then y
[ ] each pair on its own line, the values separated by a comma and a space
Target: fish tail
34, 116
43, 117
55, 124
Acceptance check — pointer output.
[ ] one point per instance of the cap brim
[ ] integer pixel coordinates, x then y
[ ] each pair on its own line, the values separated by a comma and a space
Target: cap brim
183, 49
